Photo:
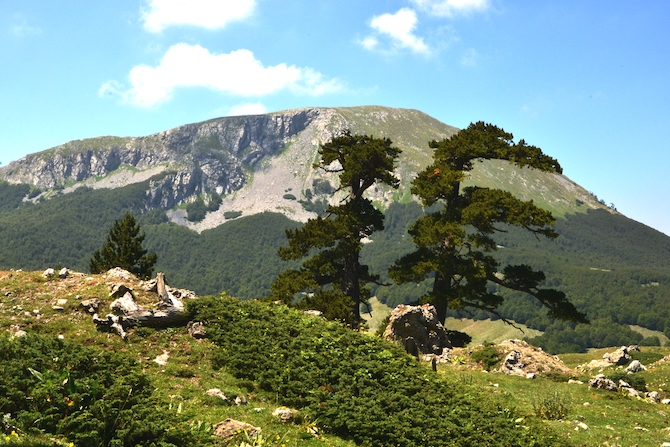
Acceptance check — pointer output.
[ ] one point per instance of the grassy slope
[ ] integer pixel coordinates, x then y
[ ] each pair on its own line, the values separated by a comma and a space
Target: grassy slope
612, 419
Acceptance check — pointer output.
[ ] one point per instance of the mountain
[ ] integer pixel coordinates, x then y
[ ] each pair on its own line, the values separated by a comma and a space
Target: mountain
262, 163
215, 197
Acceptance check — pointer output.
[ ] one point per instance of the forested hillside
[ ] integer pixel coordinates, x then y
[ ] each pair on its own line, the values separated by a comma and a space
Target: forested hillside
614, 269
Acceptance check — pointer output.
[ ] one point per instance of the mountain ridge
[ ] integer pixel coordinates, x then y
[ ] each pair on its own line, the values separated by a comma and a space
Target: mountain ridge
261, 163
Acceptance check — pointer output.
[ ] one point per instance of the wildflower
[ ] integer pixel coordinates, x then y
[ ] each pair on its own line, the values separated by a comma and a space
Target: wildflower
15, 434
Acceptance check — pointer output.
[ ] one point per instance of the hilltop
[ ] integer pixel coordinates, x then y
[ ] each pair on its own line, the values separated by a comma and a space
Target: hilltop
350, 388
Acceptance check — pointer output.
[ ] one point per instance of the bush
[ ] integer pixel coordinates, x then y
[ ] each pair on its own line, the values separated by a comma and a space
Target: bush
289, 197
93, 397
634, 380
488, 357
355, 385
552, 407
232, 214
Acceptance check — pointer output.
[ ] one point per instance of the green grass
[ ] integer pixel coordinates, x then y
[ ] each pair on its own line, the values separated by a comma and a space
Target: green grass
489, 331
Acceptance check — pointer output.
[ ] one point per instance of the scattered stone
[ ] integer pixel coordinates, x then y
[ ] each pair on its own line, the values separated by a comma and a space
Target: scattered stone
654, 396
49, 273
196, 329
91, 305
9, 294
240, 400
118, 273
215, 392
599, 382
16, 331
119, 290
575, 382
586, 404
523, 359
638, 428
630, 392
58, 308
64, 273
581, 425
635, 366
417, 329
163, 358
285, 414
665, 401
230, 427
61, 302
621, 356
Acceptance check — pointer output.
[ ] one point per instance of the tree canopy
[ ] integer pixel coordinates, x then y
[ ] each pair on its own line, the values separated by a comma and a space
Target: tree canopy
333, 279
454, 240
124, 249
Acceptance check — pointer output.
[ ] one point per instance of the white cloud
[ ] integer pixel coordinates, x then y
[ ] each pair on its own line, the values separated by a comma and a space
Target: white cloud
255, 108
210, 14
450, 8
237, 73
21, 28
399, 27
470, 58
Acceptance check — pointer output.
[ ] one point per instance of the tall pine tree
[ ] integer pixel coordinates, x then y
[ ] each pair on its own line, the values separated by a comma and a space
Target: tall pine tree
124, 249
455, 243
333, 279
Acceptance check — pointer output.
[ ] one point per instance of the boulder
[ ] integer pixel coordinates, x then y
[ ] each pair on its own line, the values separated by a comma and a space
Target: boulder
49, 273
417, 329
64, 273
599, 382
621, 356
654, 397
635, 366
118, 290
215, 392
230, 427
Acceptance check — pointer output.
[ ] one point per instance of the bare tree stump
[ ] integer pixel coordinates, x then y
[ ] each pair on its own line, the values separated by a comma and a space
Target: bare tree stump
169, 312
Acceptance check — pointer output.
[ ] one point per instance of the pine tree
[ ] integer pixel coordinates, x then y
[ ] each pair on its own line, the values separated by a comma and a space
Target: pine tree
333, 279
124, 249
455, 243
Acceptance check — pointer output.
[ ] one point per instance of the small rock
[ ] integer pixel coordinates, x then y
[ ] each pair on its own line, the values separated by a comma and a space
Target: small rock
91, 305
61, 302
59, 308
314, 313
163, 358
576, 382
230, 427
665, 401
601, 383
61, 337
240, 400
285, 414
119, 290
215, 392
581, 425
196, 329
638, 428
654, 396
531, 376
586, 404
49, 273
64, 272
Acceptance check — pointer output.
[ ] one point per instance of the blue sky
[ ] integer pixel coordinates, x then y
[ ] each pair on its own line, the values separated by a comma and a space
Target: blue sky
588, 82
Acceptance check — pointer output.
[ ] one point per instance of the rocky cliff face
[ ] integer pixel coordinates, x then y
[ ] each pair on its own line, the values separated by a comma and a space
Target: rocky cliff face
265, 163
197, 158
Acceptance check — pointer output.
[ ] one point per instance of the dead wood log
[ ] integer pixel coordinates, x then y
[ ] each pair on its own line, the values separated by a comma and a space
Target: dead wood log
169, 312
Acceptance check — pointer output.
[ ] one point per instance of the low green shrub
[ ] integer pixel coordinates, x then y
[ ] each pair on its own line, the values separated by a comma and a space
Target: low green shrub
634, 380
553, 406
488, 356
355, 385
89, 396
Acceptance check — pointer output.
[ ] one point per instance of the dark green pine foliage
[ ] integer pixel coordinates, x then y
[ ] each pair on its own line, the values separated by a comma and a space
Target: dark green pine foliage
455, 243
333, 279
124, 249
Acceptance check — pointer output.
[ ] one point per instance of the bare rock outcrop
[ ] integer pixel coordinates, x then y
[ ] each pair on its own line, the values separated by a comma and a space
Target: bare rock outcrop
418, 330
522, 359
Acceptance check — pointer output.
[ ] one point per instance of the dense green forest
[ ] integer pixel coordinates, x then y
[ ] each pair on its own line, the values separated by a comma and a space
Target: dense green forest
613, 268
